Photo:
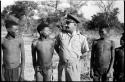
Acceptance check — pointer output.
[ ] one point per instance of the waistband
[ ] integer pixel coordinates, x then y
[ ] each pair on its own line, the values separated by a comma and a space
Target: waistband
69, 62
5, 67
40, 68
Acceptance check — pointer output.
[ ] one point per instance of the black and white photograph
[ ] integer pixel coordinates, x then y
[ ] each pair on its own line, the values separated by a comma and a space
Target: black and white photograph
62, 40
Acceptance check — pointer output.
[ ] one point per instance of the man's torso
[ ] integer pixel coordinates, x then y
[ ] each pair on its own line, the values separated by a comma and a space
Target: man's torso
45, 50
11, 52
102, 53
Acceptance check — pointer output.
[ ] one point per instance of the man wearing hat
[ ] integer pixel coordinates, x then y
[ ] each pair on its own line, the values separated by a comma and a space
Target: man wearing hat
12, 47
70, 46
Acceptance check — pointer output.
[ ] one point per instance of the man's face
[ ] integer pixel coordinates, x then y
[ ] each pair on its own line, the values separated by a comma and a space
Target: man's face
103, 33
13, 30
46, 31
71, 25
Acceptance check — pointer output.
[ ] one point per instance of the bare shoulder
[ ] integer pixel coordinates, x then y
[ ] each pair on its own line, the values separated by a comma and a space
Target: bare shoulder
118, 49
95, 41
34, 42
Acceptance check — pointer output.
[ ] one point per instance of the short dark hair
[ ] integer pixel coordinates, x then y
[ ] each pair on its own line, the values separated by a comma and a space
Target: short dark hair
9, 23
41, 26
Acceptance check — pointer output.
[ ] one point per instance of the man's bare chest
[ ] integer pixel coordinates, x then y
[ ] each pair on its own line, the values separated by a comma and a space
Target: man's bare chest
44, 44
10, 44
103, 45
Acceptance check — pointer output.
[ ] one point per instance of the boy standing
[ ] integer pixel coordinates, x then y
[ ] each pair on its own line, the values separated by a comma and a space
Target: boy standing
12, 47
102, 57
42, 53
119, 61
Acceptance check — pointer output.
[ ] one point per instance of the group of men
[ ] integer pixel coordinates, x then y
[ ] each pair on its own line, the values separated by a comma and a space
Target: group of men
70, 46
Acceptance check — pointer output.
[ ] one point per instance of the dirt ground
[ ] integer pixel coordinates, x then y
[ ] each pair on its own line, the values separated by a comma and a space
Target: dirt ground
29, 71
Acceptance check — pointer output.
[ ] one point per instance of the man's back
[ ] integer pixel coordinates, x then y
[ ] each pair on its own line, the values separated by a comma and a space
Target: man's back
44, 49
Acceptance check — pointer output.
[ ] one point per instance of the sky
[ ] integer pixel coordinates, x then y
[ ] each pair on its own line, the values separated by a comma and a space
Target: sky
88, 10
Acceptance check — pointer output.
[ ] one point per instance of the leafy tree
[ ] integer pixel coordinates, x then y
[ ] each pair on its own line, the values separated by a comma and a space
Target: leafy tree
20, 8
105, 19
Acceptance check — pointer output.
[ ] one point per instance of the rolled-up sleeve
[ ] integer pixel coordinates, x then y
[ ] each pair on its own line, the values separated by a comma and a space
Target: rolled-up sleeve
85, 47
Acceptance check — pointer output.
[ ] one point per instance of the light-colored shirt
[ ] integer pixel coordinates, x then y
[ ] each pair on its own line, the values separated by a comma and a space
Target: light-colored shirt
72, 46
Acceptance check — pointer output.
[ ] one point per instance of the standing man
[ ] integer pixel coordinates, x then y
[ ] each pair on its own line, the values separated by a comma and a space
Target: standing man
119, 61
70, 46
42, 53
102, 57
13, 55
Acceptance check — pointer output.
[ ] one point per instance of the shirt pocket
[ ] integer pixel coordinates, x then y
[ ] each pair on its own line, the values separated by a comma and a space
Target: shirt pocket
76, 45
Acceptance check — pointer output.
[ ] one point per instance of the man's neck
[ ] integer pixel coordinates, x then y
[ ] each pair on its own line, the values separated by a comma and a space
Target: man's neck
104, 38
43, 37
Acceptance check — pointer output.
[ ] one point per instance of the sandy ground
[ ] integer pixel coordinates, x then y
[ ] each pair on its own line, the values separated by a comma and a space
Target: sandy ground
29, 71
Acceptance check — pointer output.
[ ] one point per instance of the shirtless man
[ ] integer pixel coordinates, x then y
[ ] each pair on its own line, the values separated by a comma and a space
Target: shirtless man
42, 53
13, 55
102, 57
119, 61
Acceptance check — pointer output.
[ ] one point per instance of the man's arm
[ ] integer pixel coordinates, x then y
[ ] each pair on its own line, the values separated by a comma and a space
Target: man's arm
33, 50
22, 56
115, 60
2, 76
92, 60
56, 46
112, 55
85, 47
92, 56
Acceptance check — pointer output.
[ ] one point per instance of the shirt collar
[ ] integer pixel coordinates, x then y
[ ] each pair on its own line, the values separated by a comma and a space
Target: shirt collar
74, 33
